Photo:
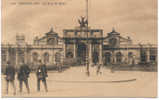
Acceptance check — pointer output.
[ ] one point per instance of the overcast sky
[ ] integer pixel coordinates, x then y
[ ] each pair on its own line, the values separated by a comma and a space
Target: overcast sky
134, 18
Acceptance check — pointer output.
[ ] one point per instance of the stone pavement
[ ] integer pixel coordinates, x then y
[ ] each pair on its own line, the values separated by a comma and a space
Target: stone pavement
74, 82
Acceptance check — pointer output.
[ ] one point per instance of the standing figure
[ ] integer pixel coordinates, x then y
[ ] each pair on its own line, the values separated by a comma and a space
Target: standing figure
41, 75
98, 69
23, 76
10, 76
59, 67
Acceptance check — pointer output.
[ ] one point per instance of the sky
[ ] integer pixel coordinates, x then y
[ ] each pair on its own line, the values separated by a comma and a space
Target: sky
134, 18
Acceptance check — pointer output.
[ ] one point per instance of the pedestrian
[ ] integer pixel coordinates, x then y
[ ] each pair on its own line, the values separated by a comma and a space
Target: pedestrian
10, 76
99, 68
23, 76
59, 67
41, 75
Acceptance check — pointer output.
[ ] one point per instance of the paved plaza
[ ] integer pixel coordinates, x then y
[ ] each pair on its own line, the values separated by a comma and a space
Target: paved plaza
74, 82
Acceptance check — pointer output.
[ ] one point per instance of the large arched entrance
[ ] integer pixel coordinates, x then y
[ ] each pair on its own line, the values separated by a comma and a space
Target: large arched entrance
107, 58
95, 57
81, 52
118, 57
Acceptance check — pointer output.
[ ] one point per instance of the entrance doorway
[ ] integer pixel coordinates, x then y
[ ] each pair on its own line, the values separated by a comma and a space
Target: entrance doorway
81, 52
107, 60
95, 57
143, 56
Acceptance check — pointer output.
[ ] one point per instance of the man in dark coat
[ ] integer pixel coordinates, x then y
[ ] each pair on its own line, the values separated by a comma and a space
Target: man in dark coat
23, 76
10, 76
41, 75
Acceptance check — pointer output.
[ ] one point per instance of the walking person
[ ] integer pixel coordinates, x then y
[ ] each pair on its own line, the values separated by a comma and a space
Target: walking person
59, 67
23, 76
41, 75
99, 68
10, 76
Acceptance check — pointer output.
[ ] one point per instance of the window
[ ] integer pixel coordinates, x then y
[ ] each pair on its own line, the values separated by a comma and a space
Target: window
153, 54
4, 56
21, 55
35, 57
130, 54
57, 57
46, 57
118, 57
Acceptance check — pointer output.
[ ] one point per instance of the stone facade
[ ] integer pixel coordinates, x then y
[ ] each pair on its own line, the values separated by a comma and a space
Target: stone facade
45, 48
82, 43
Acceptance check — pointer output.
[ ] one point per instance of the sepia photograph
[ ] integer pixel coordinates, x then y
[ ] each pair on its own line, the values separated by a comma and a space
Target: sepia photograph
79, 49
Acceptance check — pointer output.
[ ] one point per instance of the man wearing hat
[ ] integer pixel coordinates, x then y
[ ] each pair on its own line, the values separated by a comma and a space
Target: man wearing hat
41, 74
23, 76
10, 76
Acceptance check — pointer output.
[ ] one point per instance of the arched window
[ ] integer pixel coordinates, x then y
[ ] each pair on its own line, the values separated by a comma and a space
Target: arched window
46, 57
118, 57
35, 56
153, 55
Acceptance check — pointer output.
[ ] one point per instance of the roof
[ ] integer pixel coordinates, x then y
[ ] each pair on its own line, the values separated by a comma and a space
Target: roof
113, 32
51, 32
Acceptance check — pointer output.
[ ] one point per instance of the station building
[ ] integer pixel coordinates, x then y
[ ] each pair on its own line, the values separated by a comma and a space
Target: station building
81, 43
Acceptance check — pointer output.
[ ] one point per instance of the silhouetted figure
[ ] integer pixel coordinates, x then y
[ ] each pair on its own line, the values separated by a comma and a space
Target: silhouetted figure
41, 75
23, 76
59, 67
112, 69
10, 76
99, 68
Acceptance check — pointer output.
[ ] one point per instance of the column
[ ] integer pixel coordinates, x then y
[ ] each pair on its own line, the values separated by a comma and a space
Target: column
113, 58
16, 58
64, 46
100, 54
53, 57
7, 55
74, 50
148, 55
90, 54
25, 56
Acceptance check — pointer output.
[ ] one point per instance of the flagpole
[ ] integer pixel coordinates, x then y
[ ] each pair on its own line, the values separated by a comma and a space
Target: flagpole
87, 10
87, 58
